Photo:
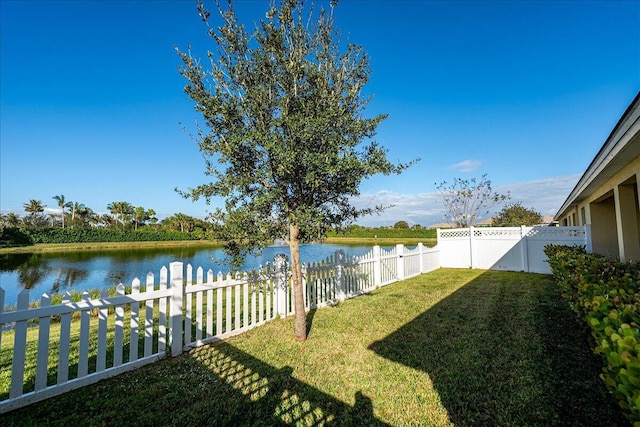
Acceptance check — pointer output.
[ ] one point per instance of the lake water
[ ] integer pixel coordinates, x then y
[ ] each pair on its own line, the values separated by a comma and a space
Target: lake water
73, 271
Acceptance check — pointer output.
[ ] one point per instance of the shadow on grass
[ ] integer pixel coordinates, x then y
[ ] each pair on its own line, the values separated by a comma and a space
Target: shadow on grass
310, 315
212, 385
500, 353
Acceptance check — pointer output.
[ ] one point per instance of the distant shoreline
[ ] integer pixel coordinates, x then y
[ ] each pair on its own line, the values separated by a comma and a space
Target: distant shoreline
96, 246
92, 246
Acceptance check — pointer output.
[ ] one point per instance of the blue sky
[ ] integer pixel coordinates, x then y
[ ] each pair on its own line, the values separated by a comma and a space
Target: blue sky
525, 91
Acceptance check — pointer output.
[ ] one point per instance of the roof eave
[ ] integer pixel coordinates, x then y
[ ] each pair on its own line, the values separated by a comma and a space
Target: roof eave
615, 148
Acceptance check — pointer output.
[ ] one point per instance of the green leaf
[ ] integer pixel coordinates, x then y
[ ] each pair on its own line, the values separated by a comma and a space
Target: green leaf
614, 359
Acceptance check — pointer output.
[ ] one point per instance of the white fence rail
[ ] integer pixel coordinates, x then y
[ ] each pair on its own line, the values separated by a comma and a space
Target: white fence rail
144, 324
506, 248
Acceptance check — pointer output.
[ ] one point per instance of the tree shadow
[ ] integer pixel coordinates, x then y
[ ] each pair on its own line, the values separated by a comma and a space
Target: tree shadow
495, 362
310, 315
215, 385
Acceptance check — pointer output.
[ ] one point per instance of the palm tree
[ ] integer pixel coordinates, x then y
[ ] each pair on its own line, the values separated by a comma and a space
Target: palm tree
76, 208
86, 216
107, 221
120, 210
138, 216
34, 206
179, 222
9, 220
13, 219
142, 215
114, 208
62, 203
35, 209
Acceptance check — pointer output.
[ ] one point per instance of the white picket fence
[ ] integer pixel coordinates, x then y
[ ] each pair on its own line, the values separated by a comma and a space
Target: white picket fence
145, 324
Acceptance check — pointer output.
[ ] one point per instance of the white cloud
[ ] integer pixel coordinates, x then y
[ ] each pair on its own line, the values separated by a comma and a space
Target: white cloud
466, 166
544, 195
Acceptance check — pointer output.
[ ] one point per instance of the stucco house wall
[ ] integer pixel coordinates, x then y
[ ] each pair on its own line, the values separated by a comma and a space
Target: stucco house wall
606, 196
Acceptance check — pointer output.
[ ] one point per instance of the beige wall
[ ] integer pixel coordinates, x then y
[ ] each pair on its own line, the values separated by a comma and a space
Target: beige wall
613, 211
628, 215
604, 235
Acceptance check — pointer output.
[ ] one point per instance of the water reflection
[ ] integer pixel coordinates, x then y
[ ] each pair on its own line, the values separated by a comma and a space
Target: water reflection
32, 272
10, 262
67, 277
115, 276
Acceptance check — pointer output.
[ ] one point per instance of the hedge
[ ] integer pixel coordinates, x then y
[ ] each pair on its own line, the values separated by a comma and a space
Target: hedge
395, 233
14, 236
605, 294
17, 237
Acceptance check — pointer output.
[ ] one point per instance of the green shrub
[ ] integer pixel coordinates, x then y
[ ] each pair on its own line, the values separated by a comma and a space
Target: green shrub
68, 235
605, 294
397, 233
14, 236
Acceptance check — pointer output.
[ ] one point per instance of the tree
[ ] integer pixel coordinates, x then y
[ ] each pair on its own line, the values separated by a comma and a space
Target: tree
179, 222
35, 219
75, 209
121, 211
515, 215
401, 224
10, 220
33, 206
284, 111
142, 215
83, 216
62, 204
108, 221
467, 200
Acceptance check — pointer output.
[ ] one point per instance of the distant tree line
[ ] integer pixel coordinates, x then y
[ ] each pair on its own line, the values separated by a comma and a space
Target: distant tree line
76, 222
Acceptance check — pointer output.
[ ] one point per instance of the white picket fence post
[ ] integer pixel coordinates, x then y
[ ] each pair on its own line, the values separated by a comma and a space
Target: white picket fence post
43, 342
281, 284
400, 255
421, 257
19, 349
63, 353
340, 283
162, 312
134, 321
377, 266
176, 308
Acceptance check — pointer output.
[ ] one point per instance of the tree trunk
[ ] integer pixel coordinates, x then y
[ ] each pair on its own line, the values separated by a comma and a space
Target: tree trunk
300, 328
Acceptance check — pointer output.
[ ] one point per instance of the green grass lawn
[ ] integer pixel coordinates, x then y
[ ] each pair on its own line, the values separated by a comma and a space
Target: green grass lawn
463, 347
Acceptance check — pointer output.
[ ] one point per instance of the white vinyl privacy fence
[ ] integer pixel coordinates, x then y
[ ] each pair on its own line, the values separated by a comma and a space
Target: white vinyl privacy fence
183, 308
506, 248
